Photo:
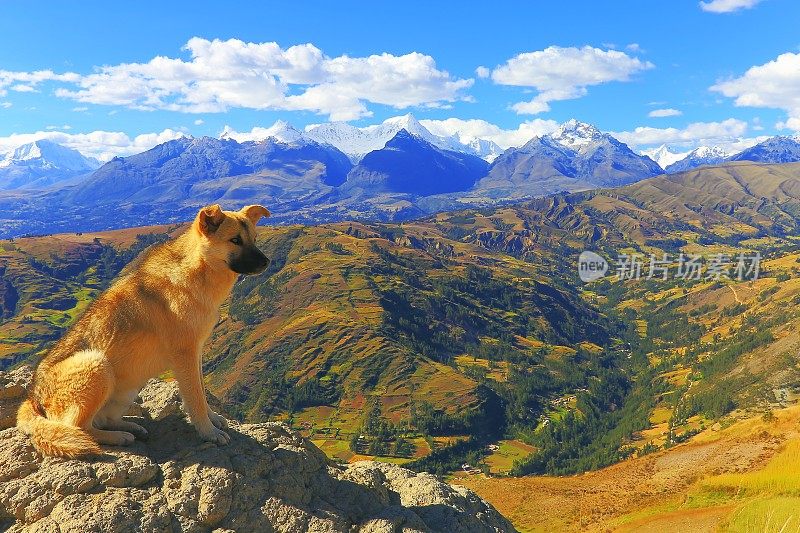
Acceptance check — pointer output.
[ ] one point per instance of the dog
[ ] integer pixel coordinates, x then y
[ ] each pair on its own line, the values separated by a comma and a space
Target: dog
155, 317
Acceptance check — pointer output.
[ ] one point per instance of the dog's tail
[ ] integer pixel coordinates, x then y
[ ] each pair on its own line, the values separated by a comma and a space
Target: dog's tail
52, 437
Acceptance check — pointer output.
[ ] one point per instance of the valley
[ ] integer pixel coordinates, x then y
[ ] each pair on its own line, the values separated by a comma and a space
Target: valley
463, 343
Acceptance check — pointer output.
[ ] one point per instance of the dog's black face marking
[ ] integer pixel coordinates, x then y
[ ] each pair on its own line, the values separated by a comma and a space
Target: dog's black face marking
248, 260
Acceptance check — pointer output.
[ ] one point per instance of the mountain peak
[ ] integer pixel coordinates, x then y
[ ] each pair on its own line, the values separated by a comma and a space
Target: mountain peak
48, 154
577, 135
403, 137
700, 156
406, 121
42, 163
576, 127
711, 151
284, 132
664, 156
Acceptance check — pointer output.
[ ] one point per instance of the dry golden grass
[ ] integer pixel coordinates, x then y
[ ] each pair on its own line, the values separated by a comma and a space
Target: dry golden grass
743, 478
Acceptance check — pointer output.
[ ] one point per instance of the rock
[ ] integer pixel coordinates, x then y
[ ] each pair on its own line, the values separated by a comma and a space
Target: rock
13, 386
268, 479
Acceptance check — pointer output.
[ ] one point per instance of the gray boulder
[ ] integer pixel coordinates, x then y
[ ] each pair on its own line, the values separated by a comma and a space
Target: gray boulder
268, 479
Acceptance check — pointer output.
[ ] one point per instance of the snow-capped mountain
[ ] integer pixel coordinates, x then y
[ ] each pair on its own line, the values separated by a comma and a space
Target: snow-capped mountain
41, 163
576, 156
578, 136
773, 150
357, 142
281, 131
485, 149
704, 155
600, 158
664, 156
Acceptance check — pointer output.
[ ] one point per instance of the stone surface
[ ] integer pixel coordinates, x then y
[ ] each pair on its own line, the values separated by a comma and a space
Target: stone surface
268, 479
12, 389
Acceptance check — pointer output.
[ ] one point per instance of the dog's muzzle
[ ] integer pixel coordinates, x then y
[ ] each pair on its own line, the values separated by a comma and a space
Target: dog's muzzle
250, 261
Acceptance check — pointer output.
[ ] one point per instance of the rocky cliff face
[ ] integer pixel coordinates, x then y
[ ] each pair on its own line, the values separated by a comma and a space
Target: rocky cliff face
268, 479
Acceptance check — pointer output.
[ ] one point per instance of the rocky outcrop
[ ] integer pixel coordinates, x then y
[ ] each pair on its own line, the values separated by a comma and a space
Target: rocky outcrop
268, 479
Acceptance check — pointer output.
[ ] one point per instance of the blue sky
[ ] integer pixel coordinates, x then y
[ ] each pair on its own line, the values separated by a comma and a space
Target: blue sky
717, 76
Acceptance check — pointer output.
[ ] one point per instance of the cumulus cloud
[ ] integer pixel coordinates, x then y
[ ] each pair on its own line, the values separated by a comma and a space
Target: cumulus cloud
199, 122
220, 75
5, 105
102, 145
727, 6
397, 81
775, 84
667, 112
564, 73
468, 130
697, 133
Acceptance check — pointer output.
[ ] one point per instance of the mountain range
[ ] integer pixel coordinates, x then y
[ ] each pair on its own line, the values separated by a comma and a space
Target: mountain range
779, 149
358, 142
396, 170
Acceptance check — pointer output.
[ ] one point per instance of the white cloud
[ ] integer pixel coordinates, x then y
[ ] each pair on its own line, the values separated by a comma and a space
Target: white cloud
199, 122
482, 72
22, 88
28, 81
727, 6
468, 130
726, 133
667, 112
5, 105
80, 109
635, 48
564, 73
221, 75
64, 127
102, 145
775, 84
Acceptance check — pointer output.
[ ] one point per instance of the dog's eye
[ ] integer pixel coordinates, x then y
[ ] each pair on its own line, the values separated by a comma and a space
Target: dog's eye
237, 241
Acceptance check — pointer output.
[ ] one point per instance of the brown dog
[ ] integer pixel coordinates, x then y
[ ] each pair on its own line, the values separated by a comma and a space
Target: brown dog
154, 318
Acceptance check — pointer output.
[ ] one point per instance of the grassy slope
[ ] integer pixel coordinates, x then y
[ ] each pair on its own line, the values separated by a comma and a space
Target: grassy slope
740, 478
326, 313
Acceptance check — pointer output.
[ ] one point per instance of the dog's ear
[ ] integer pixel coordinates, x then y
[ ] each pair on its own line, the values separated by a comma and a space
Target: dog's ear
254, 212
209, 219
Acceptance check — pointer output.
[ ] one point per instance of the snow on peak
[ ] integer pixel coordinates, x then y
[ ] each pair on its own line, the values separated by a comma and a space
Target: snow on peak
577, 135
280, 131
358, 142
709, 152
25, 152
664, 156
286, 133
407, 122
48, 155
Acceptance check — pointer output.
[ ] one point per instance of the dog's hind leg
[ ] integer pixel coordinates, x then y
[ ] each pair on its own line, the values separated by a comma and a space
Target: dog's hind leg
110, 416
87, 380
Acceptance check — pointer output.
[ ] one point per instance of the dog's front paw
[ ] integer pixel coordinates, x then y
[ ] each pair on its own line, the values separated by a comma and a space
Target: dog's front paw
218, 420
215, 435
